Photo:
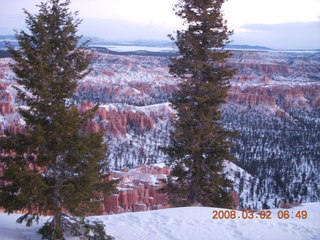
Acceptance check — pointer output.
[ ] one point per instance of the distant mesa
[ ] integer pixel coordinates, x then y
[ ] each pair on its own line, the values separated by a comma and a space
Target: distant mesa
247, 47
138, 47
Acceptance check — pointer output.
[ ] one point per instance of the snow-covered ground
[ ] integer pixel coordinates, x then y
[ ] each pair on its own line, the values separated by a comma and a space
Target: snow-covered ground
191, 223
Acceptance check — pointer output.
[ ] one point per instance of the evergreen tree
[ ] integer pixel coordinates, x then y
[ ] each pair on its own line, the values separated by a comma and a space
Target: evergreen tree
57, 165
200, 143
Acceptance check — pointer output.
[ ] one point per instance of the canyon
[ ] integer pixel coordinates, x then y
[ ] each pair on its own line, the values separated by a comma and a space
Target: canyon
274, 102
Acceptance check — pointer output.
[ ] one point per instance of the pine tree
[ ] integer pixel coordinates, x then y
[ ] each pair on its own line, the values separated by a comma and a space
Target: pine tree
57, 165
200, 144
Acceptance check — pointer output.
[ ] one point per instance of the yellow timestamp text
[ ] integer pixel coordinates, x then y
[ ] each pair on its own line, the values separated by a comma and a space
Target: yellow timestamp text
264, 214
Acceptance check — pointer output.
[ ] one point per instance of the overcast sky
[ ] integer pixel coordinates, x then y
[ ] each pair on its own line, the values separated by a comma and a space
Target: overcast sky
280, 24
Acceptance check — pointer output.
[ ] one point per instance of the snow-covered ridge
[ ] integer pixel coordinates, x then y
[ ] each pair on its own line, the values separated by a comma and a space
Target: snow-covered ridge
161, 107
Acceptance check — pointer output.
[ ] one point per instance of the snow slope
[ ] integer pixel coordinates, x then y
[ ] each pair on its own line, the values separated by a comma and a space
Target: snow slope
190, 223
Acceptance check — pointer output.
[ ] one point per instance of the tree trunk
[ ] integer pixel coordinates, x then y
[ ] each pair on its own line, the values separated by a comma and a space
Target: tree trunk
195, 186
57, 226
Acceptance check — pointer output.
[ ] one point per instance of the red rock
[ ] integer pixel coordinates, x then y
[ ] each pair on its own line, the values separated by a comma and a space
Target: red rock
16, 127
136, 193
235, 200
85, 106
3, 86
118, 122
5, 108
282, 97
94, 126
280, 113
111, 204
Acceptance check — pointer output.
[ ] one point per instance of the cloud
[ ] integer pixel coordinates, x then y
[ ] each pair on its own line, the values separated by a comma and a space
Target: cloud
297, 35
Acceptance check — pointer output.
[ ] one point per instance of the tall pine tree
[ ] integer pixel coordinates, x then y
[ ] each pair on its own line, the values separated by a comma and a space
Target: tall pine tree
200, 144
57, 165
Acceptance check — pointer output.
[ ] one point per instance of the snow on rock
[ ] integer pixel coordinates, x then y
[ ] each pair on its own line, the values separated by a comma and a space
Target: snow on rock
189, 223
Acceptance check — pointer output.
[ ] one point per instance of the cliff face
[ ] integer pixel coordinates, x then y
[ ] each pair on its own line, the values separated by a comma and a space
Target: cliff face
137, 190
274, 102
276, 97
118, 120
